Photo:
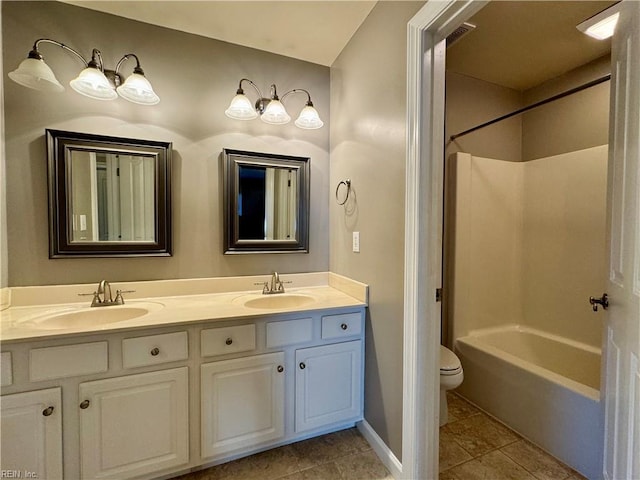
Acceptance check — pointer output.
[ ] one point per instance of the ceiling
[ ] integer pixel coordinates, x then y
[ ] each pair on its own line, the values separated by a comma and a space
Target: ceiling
315, 31
521, 44
518, 44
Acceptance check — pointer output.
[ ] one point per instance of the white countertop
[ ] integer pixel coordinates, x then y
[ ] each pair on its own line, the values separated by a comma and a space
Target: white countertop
17, 322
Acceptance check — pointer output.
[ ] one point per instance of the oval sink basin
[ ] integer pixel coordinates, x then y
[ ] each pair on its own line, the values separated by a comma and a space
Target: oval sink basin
91, 317
282, 300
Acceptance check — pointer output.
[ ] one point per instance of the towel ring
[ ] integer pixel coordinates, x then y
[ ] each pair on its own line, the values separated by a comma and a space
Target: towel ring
346, 183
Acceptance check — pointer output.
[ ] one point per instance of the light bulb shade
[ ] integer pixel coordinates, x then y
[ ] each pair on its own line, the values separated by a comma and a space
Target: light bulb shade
137, 89
275, 113
34, 73
309, 119
241, 108
94, 84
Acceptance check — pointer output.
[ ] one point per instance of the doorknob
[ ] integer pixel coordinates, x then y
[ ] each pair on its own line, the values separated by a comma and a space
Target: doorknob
603, 300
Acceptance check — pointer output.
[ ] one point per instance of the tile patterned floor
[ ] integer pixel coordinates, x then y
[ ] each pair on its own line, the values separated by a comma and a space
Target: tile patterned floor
343, 455
472, 446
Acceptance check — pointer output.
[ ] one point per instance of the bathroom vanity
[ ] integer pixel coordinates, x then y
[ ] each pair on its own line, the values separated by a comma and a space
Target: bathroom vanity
198, 380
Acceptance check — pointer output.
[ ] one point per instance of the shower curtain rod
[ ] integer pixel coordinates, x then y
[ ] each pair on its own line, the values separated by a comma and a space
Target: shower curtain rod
590, 84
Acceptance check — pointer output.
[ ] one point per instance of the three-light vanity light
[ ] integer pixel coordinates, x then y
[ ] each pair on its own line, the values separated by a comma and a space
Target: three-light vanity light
271, 110
94, 80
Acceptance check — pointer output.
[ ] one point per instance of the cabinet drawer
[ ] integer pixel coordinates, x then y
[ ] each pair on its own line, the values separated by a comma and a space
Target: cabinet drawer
219, 341
154, 349
6, 372
289, 332
343, 325
68, 361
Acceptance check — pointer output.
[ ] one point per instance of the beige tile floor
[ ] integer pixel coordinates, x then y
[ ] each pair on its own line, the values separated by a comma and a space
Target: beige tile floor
472, 446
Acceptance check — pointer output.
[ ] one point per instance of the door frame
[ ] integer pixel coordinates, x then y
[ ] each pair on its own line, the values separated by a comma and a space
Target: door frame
424, 203
423, 230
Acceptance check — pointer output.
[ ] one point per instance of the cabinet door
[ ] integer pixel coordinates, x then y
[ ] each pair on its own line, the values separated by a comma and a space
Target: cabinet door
31, 439
242, 402
134, 425
328, 385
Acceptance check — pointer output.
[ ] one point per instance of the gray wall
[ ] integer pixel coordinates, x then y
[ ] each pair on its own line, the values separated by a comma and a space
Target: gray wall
368, 106
195, 78
573, 123
470, 102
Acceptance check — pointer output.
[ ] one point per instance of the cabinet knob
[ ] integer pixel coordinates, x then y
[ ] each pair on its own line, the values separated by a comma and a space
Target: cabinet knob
280, 369
85, 404
155, 351
229, 341
344, 326
47, 411
302, 366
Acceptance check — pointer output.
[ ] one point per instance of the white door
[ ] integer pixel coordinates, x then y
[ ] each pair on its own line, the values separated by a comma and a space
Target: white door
31, 442
622, 386
134, 425
242, 402
328, 385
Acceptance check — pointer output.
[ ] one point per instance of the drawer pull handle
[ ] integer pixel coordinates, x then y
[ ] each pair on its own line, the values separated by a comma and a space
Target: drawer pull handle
229, 341
344, 326
280, 369
84, 405
302, 366
155, 351
47, 411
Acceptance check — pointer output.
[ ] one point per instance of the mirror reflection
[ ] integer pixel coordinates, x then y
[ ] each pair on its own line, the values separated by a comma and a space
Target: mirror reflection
112, 197
266, 203
108, 196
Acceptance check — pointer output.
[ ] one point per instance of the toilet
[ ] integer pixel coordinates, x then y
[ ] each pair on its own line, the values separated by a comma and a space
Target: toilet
451, 376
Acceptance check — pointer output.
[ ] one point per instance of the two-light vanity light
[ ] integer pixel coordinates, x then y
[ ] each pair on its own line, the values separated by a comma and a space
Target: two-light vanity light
94, 81
271, 110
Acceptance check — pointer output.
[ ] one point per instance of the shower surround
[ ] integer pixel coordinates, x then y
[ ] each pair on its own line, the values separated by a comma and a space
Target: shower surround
525, 250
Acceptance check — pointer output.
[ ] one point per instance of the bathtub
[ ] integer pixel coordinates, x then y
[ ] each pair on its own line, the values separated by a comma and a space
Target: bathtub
543, 386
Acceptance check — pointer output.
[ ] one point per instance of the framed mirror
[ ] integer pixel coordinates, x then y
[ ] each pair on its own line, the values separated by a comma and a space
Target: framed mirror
108, 196
266, 203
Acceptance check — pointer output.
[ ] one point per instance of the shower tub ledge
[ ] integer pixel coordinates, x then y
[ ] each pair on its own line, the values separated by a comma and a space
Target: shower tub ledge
543, 386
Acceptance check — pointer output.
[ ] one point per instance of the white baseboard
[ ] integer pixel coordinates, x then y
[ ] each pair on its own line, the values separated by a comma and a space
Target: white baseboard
384, 453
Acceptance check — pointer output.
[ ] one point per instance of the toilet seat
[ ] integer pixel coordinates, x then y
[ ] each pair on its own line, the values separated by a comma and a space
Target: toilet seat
449, 362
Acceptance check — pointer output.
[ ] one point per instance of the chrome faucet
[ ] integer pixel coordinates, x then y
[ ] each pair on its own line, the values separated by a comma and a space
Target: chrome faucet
102, 297
103, 288
274, 286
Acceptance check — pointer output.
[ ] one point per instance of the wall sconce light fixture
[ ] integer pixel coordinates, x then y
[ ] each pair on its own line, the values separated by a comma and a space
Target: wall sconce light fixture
271, 110
94, 81
602, 25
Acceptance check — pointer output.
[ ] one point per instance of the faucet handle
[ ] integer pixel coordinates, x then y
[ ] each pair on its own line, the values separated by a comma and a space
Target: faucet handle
119, 300
96, 299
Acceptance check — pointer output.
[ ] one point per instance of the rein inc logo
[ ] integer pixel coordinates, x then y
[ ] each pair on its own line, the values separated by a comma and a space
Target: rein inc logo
17, 474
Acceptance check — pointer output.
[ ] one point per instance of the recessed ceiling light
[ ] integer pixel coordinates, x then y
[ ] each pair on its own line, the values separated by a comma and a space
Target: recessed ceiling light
602, 25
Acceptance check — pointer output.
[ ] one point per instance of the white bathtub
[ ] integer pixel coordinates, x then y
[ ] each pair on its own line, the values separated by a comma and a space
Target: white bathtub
543, 386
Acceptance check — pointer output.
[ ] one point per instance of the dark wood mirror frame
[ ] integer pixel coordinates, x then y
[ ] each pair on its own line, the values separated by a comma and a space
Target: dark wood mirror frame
232, 161
59, 146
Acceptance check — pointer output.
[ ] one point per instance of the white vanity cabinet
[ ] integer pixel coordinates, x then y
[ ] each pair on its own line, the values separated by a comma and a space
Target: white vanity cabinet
242, 403
31, 435
135, 424
328, 384
155, 401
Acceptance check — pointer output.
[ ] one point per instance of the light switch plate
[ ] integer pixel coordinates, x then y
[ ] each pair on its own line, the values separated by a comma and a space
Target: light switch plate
356, 242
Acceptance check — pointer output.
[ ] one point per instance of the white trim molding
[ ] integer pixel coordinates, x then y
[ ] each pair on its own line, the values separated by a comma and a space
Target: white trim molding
383, 452
426, 33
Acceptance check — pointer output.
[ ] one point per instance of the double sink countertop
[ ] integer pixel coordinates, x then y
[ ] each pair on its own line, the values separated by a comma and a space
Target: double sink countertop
38, 313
